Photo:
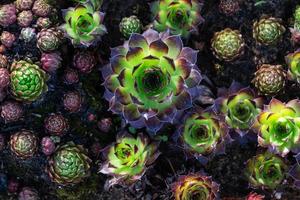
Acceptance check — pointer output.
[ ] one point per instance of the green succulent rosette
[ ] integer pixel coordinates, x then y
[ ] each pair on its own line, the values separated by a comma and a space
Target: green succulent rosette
83, 25
227, 44
179, 16
278, 126
266, 170
95, 3
195, 186
28, 81
128, 158
69, 164
130, 25
151, 79
268, 30
203, 134
239, 106
293, 62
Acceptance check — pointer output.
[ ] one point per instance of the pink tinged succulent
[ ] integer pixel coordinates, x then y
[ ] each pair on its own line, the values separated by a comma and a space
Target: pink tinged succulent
51, 61
4, 78
255, 196
7, 39
71, 76
72, 101
239, 107
48, 146
11, 111
128, 158
151, 79
278, 126
25, 18
7, 14
84, 61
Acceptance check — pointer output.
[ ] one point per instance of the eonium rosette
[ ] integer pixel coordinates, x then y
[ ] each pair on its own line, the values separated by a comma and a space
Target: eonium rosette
203, 134
278, 126
128, 158
195, 186
179, 16
239, 106
266, 170
151, 78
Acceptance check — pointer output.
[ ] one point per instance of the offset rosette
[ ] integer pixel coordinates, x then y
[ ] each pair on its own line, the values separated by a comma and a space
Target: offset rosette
127, 159
203, 134
293, 61
278, 126
83, 25
179, 16
195, 186
265, 170
150, 78
69, 164
240, 106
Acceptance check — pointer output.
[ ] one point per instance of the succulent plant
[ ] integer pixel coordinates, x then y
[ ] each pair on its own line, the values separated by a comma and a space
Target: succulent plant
11, 111
28, 34
42, 8
265, 170
83, 25
268, 30
227, 44
72, 101
25, 18
24, 4
4, 78
278, 126
69, 164
296, 29
56, 124
240, 106
293, 62
48, 146
43, 23
71, 76
229, 7
130, 25
7, 39
28, 81
105, 125
269, 79
23, 144
202, 134
3, 61
51, 61
7, 14
95, 3
28, 193
255, 196
195, 186
179, 16
84, 61
150, 79
49, 39
128, 158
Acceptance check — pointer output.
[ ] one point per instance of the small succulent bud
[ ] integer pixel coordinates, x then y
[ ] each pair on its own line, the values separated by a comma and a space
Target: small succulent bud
3, 61
56, 124
11, 111
28, 193
84, 61
72, 101
269, 79
71, 76
43, 23
13, 185
48, 146
7, 14
130, 25
28, 34
229, 7
7, 39
49, 39
255, 196
51, 61
24, 4
105, 125
23, 144
2, 142
4, 78
42, 8
25, 18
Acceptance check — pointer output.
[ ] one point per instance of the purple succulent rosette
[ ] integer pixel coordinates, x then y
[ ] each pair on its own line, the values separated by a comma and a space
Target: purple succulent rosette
239, 107
151, 79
